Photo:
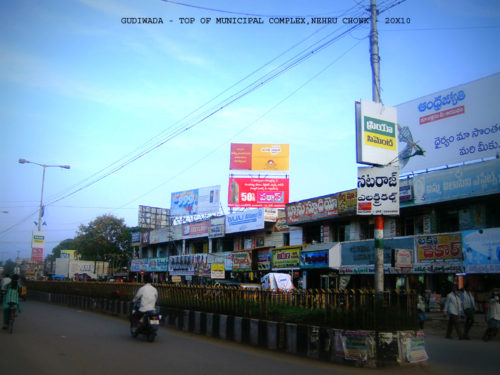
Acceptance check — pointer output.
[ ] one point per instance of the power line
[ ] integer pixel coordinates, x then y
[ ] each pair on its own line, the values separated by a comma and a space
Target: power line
249, 125
150, 141
298, 58
244, 13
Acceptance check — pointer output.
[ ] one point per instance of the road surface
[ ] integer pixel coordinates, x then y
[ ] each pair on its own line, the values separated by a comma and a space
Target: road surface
52, 340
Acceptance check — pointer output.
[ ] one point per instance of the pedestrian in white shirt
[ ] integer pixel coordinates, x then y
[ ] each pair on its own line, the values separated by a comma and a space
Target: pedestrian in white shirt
145, 298
469, 309
453, 309
493, 318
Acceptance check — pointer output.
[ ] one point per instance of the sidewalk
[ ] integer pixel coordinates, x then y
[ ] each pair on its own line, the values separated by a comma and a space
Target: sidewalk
436, 325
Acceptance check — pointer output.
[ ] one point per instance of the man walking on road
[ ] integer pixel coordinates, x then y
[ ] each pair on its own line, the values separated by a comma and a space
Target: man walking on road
469, 310
453, 308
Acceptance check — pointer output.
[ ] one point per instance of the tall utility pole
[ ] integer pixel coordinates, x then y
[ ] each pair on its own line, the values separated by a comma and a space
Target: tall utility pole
379, 219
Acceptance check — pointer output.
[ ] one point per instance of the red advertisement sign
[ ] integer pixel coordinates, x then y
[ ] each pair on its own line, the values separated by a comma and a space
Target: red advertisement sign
258, 192
241, 156
37, 254
195, 229
439, 247
441, 115
312, 209
242, 260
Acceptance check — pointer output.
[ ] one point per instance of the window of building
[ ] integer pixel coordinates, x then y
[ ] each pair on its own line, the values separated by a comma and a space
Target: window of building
448, 221
367, 229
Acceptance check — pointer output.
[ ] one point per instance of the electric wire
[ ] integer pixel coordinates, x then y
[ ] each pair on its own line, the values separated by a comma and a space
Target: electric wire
304, 55
243, 13
251, 88
197, 109
276, 105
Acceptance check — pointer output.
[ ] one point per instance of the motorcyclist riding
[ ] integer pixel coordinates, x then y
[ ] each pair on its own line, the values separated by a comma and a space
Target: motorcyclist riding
144, 300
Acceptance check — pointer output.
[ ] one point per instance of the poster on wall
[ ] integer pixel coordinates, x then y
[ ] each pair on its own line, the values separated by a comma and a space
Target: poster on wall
452, 126
378, 190
439, 247
481, 248
312, 209
242, 260
286, 258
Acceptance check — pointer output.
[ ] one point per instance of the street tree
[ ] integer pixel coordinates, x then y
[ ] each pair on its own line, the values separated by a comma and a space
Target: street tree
9, 267
106, 238
67, 244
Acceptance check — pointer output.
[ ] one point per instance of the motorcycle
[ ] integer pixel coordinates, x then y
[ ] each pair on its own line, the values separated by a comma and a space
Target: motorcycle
147, 325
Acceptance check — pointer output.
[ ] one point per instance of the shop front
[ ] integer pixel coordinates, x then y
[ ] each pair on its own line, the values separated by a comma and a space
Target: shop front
319, 264
287, 260
157, 267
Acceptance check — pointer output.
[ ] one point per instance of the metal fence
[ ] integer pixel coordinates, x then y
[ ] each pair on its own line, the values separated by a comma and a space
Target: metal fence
342, 309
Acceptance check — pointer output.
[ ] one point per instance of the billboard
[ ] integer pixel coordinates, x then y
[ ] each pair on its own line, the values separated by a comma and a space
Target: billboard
452, 126
268, 157
312, 209
481, 249
457, 183
376, 133
195, 230
38, 240
70, 254
153, 217
245, 221
37, 254
196, 201
439, 247
286, 258
378, 191
258, 192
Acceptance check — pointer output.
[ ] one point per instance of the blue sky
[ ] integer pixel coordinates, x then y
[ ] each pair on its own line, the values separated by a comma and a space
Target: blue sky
80, 87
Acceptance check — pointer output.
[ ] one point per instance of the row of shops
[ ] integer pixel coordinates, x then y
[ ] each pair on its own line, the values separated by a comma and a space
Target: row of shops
426, 263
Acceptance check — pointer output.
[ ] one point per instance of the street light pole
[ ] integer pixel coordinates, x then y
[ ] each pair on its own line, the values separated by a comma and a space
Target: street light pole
44, 166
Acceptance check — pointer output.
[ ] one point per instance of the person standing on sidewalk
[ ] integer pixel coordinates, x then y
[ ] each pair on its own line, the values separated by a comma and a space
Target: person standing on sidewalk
453, 309
469, 309
493, 318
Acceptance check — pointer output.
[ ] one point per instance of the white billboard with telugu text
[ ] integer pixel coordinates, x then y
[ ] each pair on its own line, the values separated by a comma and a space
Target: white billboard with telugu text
451, 126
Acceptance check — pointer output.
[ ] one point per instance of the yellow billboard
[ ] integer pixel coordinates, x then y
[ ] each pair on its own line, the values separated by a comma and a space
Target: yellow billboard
68, 254
271, 157
260, 156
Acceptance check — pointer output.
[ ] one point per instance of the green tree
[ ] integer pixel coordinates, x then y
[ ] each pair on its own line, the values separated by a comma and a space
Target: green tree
106, 238
8, 267
67, 244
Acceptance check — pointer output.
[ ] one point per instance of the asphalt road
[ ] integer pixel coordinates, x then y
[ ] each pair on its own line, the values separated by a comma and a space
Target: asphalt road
52, 340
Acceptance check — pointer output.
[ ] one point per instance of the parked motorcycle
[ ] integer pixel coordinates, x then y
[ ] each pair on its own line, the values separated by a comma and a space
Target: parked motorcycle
147, 325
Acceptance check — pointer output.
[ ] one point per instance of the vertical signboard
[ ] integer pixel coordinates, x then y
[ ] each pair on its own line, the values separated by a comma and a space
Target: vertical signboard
377, 133
37, 245
378, 191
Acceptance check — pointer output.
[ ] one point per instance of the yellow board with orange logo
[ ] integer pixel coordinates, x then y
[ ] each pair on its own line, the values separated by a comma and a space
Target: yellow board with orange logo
273, 157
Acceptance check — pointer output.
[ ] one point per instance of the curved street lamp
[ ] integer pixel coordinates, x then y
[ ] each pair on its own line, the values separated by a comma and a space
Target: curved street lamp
24, 161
